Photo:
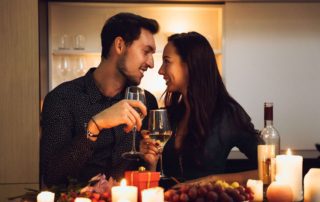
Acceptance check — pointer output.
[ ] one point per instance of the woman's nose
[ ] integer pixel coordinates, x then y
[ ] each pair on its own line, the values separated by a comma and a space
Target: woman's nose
161, 71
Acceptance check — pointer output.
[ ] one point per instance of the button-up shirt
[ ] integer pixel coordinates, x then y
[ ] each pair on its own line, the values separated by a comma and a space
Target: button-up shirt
65, 152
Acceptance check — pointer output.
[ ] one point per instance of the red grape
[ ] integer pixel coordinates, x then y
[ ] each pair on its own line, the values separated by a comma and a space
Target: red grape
212, 196
193, 192
184, 197
202, 191
184, 188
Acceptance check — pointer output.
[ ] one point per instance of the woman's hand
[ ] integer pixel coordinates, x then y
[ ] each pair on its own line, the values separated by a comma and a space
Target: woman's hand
150, 150
122, 112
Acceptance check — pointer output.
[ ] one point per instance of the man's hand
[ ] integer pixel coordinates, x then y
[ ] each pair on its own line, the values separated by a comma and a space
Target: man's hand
122, 112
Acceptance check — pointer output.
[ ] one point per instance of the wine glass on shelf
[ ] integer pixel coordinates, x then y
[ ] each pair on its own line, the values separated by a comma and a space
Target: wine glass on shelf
134, 93
80, 66
159, 130
63, 66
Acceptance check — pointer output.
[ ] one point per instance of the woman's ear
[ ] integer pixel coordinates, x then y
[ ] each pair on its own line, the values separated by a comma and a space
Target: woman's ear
119, 44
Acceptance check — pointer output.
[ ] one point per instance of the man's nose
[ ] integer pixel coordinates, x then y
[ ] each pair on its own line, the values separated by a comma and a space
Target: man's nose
150, 62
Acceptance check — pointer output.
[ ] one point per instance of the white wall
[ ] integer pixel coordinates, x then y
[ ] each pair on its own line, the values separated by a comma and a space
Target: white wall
272, 53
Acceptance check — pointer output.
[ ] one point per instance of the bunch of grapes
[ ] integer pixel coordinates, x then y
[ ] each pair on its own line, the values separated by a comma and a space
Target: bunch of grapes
93, 196
219, 191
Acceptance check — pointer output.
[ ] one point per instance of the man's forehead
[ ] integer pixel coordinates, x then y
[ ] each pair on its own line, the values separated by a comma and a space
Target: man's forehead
146, 39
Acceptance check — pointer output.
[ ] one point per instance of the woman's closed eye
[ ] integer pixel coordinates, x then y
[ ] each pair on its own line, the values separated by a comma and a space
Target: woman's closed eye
165, 62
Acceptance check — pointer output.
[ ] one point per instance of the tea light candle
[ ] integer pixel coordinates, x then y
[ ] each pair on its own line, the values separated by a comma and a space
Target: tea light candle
45, 196
289, 171
256, 187
124, 193
312, 185
155, 194
82, 199
279, 192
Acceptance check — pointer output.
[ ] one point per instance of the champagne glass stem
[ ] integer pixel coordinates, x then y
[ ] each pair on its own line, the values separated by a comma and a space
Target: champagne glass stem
161, 166
134, 130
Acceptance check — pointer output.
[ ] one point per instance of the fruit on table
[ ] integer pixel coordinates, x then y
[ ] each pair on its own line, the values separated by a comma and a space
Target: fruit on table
210, 192
95, 197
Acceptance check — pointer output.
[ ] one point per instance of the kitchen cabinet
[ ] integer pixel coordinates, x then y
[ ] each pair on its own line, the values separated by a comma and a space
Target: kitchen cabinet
68, 20
19, 103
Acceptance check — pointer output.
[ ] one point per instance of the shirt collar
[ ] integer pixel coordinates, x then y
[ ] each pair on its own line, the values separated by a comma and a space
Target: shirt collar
93, 91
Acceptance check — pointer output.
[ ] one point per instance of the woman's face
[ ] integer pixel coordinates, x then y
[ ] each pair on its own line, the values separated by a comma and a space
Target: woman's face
174, 70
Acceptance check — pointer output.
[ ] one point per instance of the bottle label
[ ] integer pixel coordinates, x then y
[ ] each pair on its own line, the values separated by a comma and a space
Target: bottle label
266, 163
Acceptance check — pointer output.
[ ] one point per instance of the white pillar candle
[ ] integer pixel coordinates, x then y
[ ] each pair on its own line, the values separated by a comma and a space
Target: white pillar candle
155, 194
45, 196
289, 171
124, 193
279, 192
312, 185
82, 199
256, 187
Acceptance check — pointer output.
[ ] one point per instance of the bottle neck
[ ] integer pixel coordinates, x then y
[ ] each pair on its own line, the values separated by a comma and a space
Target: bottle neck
268, 114
268, 123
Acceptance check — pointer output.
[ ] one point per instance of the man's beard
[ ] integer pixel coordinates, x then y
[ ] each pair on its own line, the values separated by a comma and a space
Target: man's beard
123, 69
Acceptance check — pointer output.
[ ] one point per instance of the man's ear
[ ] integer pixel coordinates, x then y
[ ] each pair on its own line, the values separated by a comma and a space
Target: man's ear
119, 44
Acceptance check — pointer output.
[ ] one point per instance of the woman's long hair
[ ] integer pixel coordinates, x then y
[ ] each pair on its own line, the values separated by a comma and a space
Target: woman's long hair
206, 93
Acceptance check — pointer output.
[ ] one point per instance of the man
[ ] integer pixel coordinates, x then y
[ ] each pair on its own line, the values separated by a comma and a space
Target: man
67, 148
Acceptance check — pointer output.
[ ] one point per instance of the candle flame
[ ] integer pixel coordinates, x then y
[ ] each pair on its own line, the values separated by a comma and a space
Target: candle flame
123, 183
289, 152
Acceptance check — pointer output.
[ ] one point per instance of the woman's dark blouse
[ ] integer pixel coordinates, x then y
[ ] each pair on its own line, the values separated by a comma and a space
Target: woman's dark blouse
65, 151
224, 135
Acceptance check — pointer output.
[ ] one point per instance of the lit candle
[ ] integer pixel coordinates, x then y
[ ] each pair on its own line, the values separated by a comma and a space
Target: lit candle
153, 195
289, 171
256, 187
82, 199
45, 196
124, 193
312, 185
279, 192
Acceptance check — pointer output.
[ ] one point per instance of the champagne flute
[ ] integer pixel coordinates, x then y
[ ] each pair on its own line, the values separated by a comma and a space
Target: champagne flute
160, 131
134, 93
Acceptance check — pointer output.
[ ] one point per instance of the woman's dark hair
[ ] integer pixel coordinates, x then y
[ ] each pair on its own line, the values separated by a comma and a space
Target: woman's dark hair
126, 25
206, 93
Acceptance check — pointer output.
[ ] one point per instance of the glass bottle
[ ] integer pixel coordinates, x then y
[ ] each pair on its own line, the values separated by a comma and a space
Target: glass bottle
270, 147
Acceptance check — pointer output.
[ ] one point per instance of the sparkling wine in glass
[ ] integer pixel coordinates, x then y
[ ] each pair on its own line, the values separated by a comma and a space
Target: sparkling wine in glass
134, 93
160, 131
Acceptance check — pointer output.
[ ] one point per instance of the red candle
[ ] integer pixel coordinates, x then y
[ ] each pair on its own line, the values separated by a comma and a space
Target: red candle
279, 192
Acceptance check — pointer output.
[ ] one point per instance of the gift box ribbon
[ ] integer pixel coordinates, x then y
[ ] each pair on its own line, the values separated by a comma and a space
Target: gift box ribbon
148, 181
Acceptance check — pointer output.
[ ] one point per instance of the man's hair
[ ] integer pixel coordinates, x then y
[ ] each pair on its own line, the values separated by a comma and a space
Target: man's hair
126, 25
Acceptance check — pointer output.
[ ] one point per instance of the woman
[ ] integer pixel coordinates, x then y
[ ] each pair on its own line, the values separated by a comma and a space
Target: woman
207, 122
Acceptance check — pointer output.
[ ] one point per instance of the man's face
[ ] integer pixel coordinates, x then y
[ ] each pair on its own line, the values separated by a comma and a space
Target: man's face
137, 58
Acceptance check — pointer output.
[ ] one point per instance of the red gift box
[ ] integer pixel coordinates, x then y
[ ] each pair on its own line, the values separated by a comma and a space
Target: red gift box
142, 180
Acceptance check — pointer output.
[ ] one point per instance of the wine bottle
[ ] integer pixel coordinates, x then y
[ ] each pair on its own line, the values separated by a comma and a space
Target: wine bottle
270, 147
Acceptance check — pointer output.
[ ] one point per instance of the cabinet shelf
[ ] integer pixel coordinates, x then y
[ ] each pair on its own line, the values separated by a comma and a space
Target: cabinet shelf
92, 53
75, 53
